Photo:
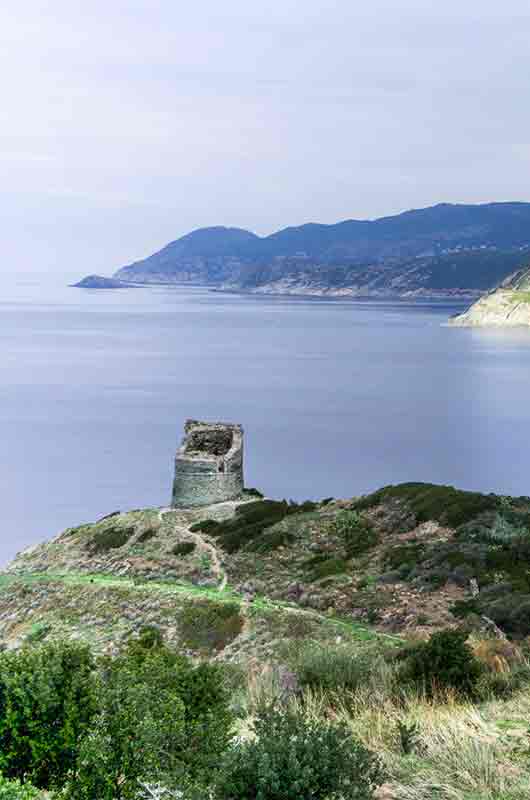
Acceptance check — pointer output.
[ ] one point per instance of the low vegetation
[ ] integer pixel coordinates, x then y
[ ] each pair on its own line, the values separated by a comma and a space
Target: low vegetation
249, 522
337, 722
234, 657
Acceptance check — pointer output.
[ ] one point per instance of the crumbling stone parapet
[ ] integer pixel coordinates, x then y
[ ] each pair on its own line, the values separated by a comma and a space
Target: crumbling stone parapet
209, 464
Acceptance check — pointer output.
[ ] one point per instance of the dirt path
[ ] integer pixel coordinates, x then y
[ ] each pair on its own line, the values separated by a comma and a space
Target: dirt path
203, 547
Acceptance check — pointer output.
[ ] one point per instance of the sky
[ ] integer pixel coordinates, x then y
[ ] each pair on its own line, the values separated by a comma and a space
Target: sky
124, 125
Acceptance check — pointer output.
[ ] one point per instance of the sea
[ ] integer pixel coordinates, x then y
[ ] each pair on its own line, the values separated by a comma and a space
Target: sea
337, 397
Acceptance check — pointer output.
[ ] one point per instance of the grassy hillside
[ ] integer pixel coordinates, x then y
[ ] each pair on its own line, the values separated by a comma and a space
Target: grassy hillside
326, 609
406, 559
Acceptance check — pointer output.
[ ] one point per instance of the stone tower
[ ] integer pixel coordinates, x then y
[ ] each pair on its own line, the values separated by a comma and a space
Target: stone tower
208, 464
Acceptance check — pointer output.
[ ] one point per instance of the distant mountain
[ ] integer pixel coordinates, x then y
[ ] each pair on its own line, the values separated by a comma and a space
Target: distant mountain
442, 250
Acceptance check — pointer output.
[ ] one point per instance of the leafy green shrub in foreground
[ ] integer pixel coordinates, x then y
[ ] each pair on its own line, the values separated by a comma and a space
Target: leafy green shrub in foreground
160, 717
139, 733
47, 702
14, 790
294, 758
445, 661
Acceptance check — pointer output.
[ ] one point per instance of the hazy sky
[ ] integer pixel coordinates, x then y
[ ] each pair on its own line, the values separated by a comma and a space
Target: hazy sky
126, 124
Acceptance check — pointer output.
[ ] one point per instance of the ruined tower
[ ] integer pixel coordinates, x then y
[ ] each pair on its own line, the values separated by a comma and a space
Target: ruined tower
208, 464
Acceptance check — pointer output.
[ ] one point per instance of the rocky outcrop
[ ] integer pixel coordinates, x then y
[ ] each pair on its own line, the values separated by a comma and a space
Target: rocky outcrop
507, 306
100, 282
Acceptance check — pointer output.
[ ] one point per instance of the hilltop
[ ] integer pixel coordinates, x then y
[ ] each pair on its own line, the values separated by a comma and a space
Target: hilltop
236, 579
507, 306
445, 250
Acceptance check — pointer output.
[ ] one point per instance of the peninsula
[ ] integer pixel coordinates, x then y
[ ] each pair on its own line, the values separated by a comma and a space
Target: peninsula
507, 306
445, 251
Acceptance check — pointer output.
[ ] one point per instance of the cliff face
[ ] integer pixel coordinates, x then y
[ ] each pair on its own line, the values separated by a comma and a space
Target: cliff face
507, 306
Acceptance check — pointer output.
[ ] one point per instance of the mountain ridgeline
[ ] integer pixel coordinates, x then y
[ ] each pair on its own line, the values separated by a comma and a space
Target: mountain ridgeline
442, 250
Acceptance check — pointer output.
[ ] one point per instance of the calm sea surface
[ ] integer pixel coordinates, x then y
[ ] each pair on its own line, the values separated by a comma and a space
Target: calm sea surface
336, 397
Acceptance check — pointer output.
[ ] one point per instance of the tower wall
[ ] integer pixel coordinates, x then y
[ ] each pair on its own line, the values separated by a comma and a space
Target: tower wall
208, 464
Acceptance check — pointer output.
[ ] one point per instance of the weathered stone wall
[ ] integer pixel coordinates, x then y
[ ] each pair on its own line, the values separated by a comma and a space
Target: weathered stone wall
209, 464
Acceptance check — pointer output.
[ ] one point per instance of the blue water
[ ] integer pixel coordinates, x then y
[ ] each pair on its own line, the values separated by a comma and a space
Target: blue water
336, 397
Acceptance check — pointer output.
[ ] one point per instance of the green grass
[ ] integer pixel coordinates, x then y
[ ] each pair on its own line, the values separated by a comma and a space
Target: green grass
293, 622
521, 297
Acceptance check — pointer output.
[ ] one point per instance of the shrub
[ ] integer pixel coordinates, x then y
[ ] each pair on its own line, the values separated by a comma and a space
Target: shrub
445, 504
355, 531
270, 541
184, 548
404, 555
139, 733
511, 613
146, 535
109, 538
38, 632
445, 661
503, 685
253, 492
160, 718
294, 758
251, 519
332, 667
204, 526
330, 566
14, 790
210, 625
149, 639
47, 702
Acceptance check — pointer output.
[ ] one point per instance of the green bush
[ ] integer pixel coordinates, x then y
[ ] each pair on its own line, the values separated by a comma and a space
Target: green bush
445, 504
47, 702
109, 538
294, 758
502, 685
209, 625
404, 555
139, 733
445, 661
251, 519
355, 531
204, 526
145, 536
329, 566
332, 667
160, 718
184, 548
253, 492
14, 790
270, 541
38, 632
